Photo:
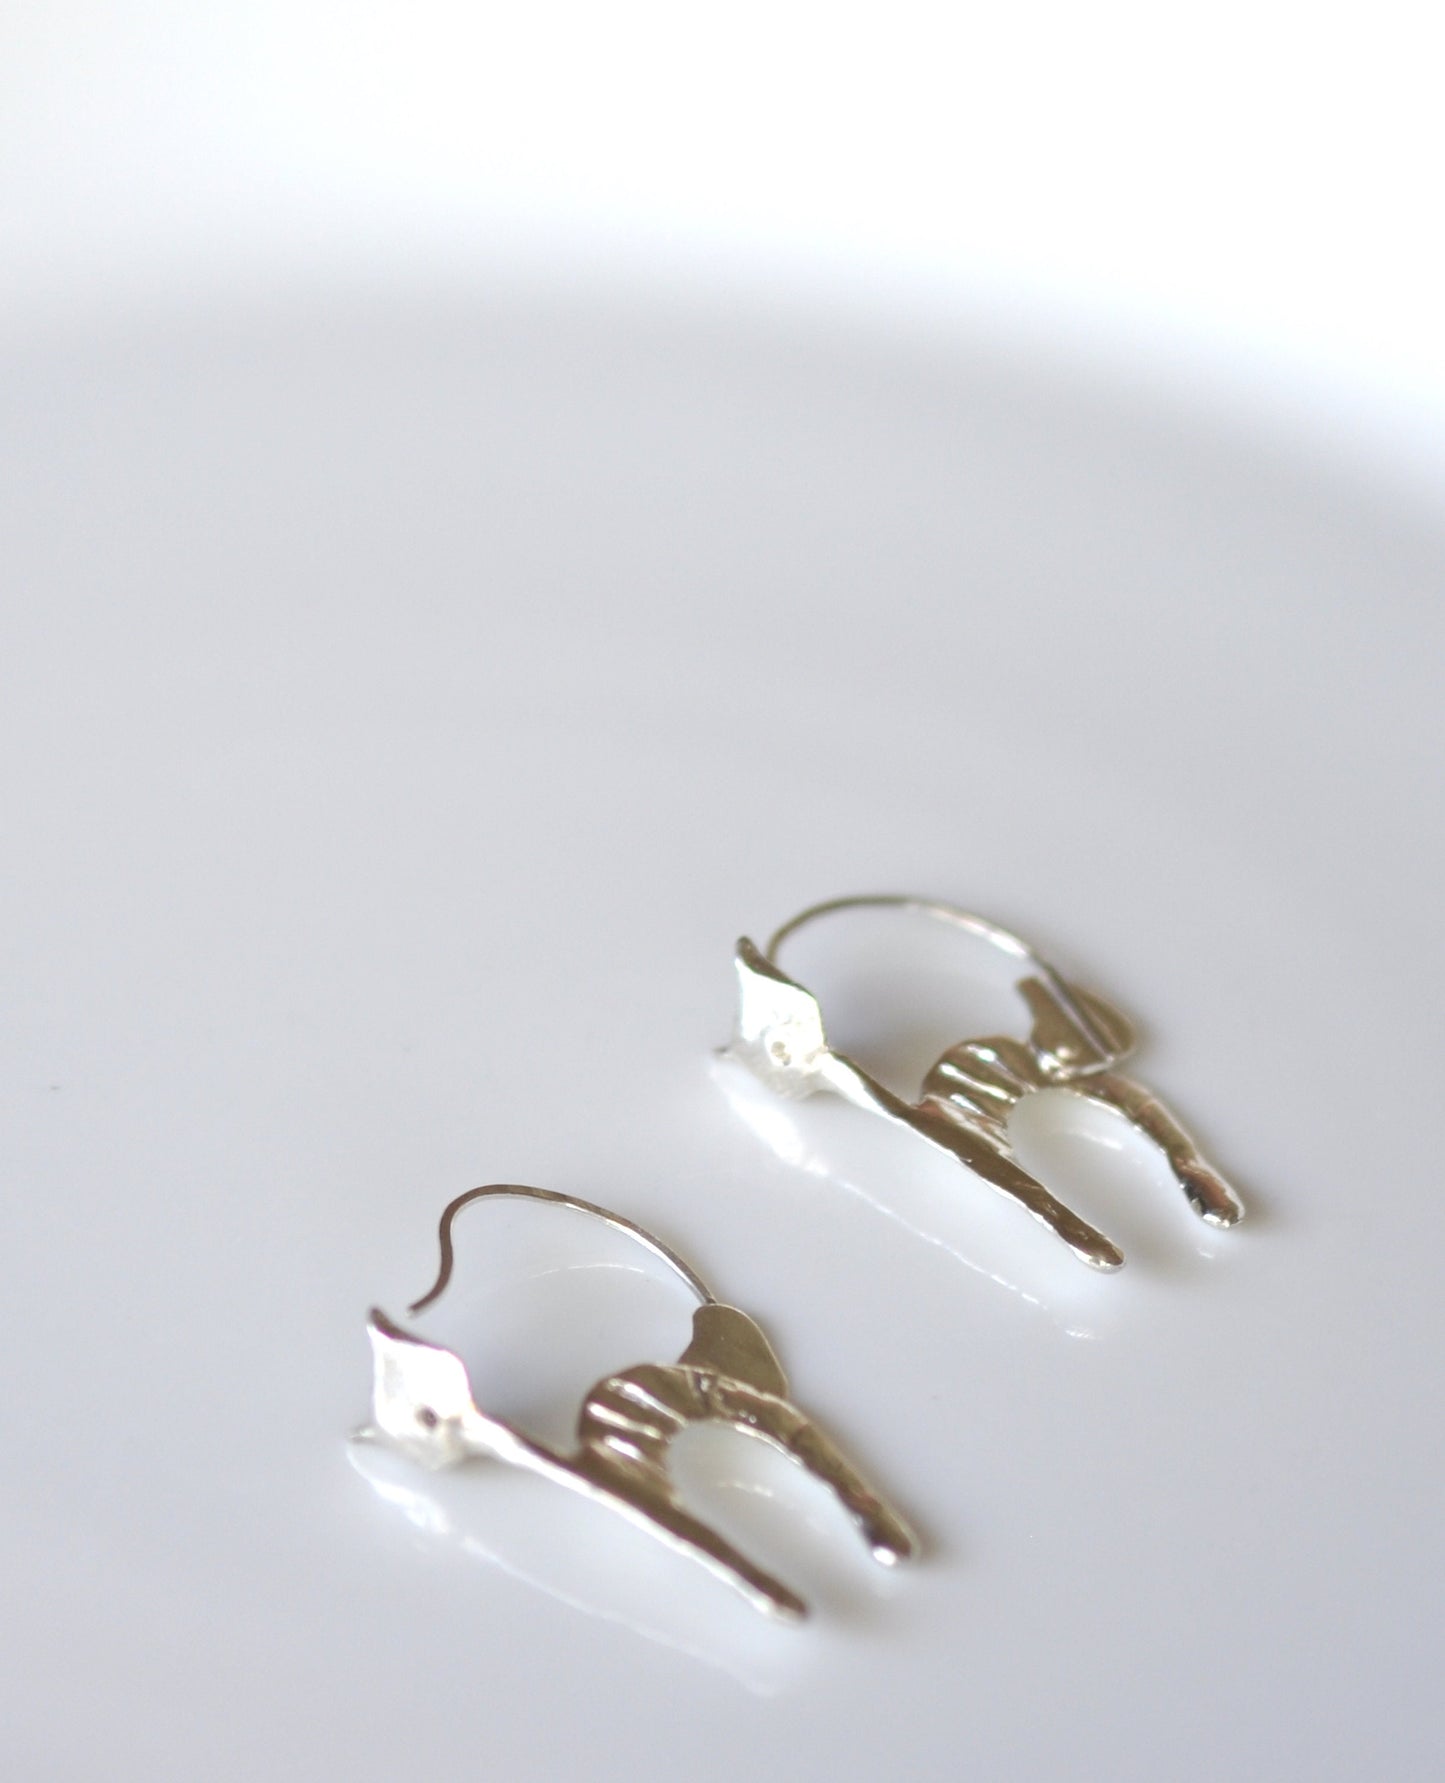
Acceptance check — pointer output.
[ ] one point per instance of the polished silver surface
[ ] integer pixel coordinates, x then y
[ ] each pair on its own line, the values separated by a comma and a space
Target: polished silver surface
1075, 1039
422, 1404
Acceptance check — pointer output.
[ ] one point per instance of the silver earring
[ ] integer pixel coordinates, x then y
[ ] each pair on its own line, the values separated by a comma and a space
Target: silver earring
422, 1404
1075, 1040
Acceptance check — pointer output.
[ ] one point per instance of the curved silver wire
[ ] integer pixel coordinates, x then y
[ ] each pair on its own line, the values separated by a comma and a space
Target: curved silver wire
992, 932
522, 1191
963, 919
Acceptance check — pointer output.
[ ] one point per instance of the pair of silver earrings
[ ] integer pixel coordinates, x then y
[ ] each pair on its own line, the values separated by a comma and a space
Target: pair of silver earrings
422, 1399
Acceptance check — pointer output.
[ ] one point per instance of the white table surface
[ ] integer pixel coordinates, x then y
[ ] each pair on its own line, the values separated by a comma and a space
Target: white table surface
406, 705
422, 657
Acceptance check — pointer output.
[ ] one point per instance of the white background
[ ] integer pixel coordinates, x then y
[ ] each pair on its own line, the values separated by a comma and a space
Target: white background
1253, 190
493, 506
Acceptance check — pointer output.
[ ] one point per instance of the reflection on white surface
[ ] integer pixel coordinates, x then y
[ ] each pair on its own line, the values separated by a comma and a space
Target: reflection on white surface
1085, 1154
780, 1125
592, 1562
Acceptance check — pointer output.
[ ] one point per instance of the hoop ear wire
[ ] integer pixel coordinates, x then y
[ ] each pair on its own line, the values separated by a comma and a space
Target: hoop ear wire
1111, 1046
523, 1192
